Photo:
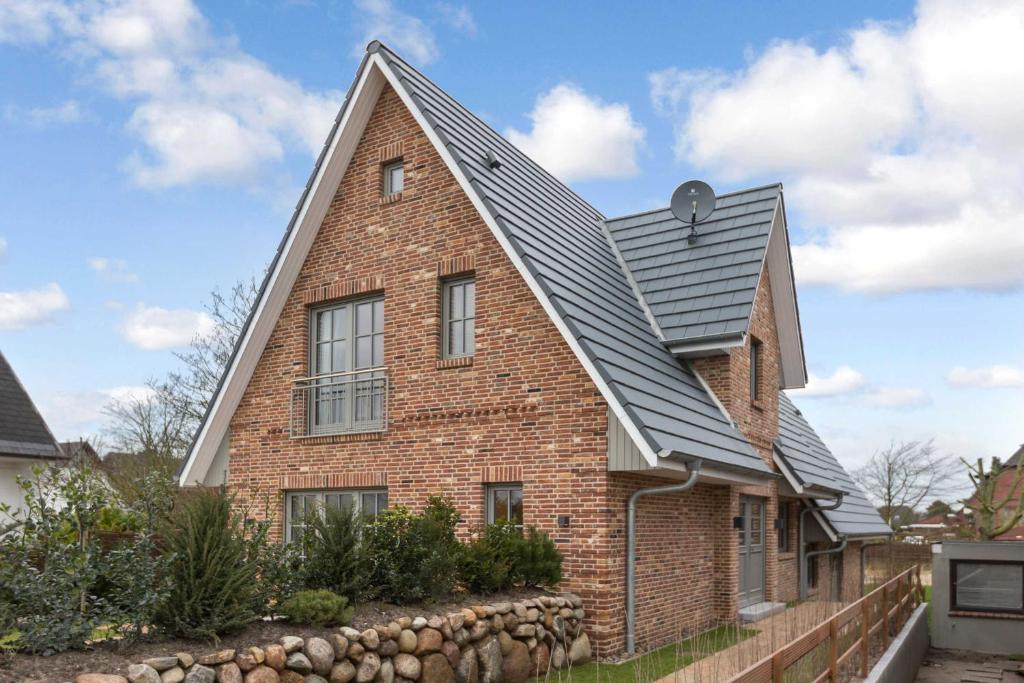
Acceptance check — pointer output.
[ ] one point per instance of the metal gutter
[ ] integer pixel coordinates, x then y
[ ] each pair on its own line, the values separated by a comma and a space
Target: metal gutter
631, 546
801, 550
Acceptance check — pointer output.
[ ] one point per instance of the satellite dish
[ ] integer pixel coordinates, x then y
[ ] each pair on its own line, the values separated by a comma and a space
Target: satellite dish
693, 201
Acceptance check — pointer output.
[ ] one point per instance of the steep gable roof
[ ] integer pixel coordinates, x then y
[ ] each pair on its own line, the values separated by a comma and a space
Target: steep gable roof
555, 240
23, 432
700, 296
808, 463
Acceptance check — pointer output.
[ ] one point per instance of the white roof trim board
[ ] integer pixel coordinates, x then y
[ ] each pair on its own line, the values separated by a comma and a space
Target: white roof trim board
558, 244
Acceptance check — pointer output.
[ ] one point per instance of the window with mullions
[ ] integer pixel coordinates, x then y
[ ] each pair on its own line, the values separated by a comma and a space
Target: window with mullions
300, 505
458, 318
347, 338
505, 504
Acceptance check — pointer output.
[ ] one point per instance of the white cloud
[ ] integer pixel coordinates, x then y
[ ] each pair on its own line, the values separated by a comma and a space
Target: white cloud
901, 146
112, 269
3, 248
576, 136
41, 117
897, 397
203, 109
407, 34
25, 22
72, 414
995, 376
155, 328
844, 380
458, 17
30, 307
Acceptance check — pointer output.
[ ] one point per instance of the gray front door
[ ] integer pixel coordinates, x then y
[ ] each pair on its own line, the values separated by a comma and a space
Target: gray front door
751, 547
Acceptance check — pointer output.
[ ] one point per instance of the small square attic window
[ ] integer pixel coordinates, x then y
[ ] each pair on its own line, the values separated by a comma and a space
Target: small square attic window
394, 177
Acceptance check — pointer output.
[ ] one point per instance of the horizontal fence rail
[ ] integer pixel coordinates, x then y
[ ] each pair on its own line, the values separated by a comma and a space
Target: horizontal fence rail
883, 610
339, 403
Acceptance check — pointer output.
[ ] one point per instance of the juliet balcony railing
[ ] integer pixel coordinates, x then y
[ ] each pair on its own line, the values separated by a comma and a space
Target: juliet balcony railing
353, 402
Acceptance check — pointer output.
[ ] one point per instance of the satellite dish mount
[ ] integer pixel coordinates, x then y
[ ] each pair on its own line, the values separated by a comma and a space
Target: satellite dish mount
692, 203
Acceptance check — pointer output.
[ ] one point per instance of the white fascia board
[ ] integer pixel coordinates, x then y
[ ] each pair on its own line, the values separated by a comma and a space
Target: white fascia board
524, 272
789, 475
279, 286
787, 317
702, 349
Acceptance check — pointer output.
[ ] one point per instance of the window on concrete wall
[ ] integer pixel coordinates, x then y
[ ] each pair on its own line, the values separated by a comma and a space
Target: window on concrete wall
458, 318
299, 505
755, 369
987, 586
783, 527
505, 504
393, 177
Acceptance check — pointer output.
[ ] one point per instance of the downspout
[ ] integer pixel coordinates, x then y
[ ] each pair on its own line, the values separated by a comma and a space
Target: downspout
694, 468
801, 549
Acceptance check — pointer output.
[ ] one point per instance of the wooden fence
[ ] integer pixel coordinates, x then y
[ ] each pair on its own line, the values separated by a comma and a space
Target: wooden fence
883, 610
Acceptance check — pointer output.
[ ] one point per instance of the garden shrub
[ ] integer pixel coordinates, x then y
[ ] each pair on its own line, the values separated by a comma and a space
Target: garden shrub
212, 581
318, 607
334, 555
537, 561
413, 556
277, 566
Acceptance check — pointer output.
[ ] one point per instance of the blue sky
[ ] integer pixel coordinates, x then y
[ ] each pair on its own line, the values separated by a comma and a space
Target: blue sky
152, 151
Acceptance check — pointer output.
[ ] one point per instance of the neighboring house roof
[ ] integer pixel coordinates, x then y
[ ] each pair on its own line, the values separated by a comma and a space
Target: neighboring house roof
1015, 458
807, 462
700, 296
556, 241
23, 432
80, 453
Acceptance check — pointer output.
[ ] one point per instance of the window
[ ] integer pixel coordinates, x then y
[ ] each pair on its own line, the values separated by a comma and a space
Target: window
783, 527
299, 505
987, 586
458, 318
394, 177
755, 369
345, 339
505, 504
812, 571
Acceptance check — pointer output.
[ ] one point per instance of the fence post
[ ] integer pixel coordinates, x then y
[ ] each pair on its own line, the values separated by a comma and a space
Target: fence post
777, 669
865, 635
833, 651
885, 616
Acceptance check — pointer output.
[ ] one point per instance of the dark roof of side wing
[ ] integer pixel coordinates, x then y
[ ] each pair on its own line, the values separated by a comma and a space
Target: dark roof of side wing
706, 289
560, 240
23, 432
810, 459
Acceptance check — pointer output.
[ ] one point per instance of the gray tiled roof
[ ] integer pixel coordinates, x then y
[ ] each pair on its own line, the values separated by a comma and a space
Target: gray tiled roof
706, 289
559, 238
23, 433
811, 460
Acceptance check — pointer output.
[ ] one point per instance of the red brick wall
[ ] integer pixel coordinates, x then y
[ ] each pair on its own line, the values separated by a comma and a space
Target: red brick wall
524, 409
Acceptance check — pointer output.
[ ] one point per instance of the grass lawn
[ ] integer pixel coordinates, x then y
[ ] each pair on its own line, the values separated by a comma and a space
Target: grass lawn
657, 663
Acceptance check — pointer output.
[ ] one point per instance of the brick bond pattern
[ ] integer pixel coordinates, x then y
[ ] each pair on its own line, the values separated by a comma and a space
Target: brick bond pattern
522, 409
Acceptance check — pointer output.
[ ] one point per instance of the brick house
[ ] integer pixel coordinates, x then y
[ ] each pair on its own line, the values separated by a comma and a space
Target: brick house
445, 316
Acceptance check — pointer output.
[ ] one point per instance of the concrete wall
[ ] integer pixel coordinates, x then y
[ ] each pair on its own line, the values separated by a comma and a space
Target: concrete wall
995, 633
903, 658
10, 469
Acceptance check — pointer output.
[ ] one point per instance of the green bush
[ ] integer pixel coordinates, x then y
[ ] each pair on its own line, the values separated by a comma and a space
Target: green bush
334, 555
278, 569
318, 607
212, 581
413, 556
537, 561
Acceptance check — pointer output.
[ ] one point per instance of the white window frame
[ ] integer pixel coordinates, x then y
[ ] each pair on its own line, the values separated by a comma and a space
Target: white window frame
468, 318
321, 498
388, 179
511, 488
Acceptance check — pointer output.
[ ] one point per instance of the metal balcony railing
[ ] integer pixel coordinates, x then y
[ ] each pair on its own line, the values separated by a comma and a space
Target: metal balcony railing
340, 403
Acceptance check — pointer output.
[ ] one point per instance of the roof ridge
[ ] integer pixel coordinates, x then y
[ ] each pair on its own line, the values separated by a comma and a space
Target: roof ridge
669, 208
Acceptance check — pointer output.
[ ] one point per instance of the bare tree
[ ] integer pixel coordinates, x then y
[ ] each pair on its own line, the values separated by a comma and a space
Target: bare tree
903, 476
994, 490
192, 387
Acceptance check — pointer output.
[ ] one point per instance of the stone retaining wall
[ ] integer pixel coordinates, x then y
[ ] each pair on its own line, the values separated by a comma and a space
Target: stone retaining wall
505, 642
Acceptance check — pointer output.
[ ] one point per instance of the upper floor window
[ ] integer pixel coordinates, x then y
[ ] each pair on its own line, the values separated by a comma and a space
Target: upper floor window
348, 388
458, 318
394, 177
755, 369
505, 504
300, 505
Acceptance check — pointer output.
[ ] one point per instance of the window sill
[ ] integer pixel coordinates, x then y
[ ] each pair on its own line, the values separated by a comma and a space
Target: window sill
391, 198
460, 362
1018, 616
757, 404
341, 438
787, 555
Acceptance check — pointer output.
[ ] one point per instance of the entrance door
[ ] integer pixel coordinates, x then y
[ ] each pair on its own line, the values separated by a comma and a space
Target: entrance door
751, 547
